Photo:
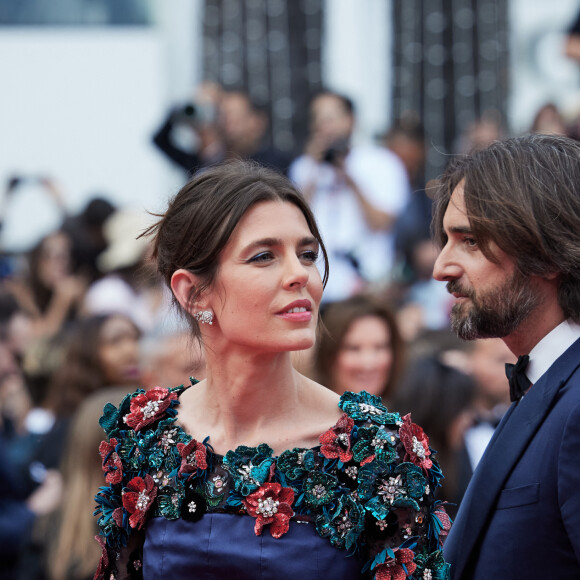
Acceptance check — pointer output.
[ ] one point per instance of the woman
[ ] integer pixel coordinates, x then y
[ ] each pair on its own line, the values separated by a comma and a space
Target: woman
53, 291
440, 397
213, 481
72, 552
100, 351
361, 348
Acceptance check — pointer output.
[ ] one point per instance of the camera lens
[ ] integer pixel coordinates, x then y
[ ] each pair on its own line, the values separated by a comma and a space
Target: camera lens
189, 110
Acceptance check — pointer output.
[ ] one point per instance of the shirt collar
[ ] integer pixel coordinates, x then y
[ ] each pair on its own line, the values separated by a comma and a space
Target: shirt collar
551, 347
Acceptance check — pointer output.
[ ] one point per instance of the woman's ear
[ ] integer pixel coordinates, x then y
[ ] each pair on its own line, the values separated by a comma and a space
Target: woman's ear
183, 285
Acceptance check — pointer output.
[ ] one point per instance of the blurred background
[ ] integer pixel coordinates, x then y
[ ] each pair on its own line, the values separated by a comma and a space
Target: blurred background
107, 107
85, 83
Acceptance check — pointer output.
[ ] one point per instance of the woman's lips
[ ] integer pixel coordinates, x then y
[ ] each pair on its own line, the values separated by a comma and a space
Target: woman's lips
297, 311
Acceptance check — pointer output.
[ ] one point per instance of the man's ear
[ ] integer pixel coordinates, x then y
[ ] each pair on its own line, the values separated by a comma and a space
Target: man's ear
183, 285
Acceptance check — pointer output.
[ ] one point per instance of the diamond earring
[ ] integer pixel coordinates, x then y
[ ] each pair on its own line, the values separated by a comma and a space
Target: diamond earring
204, 316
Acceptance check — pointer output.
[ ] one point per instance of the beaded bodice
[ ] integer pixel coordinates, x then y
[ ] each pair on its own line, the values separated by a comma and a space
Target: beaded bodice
368, 488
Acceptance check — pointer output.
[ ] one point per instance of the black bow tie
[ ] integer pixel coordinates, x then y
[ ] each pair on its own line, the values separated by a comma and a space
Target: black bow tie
519, 382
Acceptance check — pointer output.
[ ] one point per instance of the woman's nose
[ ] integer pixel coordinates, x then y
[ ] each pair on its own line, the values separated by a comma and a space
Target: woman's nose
297, 273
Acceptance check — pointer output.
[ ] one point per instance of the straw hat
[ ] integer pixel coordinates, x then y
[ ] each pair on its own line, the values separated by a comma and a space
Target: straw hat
125, 248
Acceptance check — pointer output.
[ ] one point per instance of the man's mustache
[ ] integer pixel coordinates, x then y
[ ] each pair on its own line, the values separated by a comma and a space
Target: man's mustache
453, 286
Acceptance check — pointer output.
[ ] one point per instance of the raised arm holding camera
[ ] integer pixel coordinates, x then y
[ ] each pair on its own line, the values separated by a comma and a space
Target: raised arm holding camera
356, 193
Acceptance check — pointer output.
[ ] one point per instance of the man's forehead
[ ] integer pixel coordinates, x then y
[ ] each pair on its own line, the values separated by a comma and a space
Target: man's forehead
456, 212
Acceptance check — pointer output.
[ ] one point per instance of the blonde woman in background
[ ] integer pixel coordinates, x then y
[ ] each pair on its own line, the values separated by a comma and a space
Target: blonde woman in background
73, 553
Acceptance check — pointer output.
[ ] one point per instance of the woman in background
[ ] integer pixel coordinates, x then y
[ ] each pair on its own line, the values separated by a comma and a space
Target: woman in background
52, 292
440, 398
73, 553
361, 348
100, 351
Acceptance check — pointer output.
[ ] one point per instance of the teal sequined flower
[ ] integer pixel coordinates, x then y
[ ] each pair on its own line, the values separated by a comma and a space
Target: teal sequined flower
113, 519
295, 463
249, 467
374, 442
432, 566
384, 487
435, 474
129, 450
112, 418
161, 445
214, 490
342, 525
319, 488
366, 407
414, 479
168, 503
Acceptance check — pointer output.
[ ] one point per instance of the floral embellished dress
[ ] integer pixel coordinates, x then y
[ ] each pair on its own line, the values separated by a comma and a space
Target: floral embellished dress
360, 505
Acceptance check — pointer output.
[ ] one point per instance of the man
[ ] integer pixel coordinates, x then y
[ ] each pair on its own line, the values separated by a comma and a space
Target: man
486, 362
356, 194
233, 127
508, 221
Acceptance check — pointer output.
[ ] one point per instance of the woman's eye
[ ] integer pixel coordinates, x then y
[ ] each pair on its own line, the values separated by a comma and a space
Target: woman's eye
310, 256
471, 242
262, 257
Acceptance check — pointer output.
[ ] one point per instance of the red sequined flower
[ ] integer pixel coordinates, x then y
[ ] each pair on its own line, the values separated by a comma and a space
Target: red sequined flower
112, 466
394, 568
148, 407
193, 457
445, 520
104, 560
416, 443
271, 504
118, 516
336, 441
137, 499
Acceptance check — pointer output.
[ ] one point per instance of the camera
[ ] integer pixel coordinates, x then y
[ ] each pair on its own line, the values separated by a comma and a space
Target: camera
336, 152
189, 110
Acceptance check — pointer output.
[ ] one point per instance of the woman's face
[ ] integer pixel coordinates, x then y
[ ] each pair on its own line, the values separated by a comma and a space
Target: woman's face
365, 357
54, 262
268, 288
119, 351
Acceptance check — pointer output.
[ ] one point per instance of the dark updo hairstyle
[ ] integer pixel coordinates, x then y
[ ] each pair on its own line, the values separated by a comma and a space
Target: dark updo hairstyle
338, 319
203, 215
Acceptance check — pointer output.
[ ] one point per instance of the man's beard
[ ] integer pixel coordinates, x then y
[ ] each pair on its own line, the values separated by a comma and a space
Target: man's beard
493, 314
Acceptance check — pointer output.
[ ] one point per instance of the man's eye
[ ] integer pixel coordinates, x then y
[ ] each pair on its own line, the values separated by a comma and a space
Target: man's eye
471, 242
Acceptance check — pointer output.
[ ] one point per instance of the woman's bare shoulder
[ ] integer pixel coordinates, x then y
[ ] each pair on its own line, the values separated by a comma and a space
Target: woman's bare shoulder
321, 400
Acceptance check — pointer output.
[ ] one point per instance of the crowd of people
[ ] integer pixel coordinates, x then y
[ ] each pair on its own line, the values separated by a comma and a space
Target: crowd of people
85, 317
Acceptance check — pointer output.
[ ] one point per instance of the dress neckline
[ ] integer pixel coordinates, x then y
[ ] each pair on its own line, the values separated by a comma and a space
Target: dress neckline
207, 440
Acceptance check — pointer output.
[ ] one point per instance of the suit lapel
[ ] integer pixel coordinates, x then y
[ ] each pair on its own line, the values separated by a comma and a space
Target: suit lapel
504, 450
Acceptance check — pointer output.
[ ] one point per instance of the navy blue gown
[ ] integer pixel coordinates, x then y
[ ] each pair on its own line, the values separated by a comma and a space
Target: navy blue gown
360, 505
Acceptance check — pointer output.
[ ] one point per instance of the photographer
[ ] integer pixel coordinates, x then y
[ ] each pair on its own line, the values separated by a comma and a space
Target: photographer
199, 122
355, 192
225, 125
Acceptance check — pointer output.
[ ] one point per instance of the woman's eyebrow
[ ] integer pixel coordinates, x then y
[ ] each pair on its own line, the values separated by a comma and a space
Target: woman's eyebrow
271, 242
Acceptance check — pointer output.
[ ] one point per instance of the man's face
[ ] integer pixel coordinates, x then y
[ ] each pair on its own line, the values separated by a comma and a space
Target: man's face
240, 126
491, 298
330, 120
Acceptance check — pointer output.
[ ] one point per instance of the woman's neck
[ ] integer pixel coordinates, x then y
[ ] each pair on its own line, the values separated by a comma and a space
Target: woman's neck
245, 399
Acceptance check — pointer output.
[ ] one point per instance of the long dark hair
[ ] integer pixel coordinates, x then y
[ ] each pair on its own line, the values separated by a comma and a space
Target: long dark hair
523, 194
338, 318
202, 216
81, 372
